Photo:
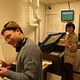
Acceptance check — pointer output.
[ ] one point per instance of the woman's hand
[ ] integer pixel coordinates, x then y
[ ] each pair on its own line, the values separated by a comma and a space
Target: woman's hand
67, 43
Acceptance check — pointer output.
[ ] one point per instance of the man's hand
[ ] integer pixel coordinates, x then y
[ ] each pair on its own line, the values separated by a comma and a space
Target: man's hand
2, 71
4, 64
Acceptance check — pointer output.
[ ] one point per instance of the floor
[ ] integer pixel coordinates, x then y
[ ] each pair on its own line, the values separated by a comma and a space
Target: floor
51, 76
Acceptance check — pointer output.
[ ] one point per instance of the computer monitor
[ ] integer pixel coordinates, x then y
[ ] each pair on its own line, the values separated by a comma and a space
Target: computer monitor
67, 15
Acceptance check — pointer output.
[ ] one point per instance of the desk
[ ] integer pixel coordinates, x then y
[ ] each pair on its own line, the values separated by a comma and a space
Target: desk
52, 63
45, 64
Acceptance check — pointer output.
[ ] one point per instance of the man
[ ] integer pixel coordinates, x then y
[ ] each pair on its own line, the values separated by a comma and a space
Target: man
29, 57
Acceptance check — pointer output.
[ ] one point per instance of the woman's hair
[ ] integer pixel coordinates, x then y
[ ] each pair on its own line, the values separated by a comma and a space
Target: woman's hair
11, 25
70, 24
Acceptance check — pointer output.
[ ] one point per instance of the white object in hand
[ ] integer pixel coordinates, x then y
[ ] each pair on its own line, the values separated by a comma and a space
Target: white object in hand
0, 65
67, 34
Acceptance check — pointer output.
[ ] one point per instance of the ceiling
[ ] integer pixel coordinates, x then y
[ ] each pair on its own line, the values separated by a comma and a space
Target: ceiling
55, 1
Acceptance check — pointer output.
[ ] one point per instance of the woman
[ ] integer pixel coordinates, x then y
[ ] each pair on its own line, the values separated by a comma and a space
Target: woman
70, 52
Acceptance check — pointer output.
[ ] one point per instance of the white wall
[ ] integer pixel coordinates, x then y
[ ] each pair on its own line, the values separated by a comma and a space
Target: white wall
34, 32
54, 23
17, 10
42, 13
9, 10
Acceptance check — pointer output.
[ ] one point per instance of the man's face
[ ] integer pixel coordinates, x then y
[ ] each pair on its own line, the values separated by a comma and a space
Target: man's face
12, 37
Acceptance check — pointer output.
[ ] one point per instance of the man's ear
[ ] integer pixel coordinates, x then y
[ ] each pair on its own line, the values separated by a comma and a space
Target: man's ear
17, 30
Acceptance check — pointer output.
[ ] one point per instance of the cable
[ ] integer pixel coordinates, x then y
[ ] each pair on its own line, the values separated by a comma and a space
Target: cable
69, 4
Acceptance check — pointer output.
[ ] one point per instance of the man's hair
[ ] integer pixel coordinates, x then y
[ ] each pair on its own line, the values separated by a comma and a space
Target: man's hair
70, 24
11, 25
